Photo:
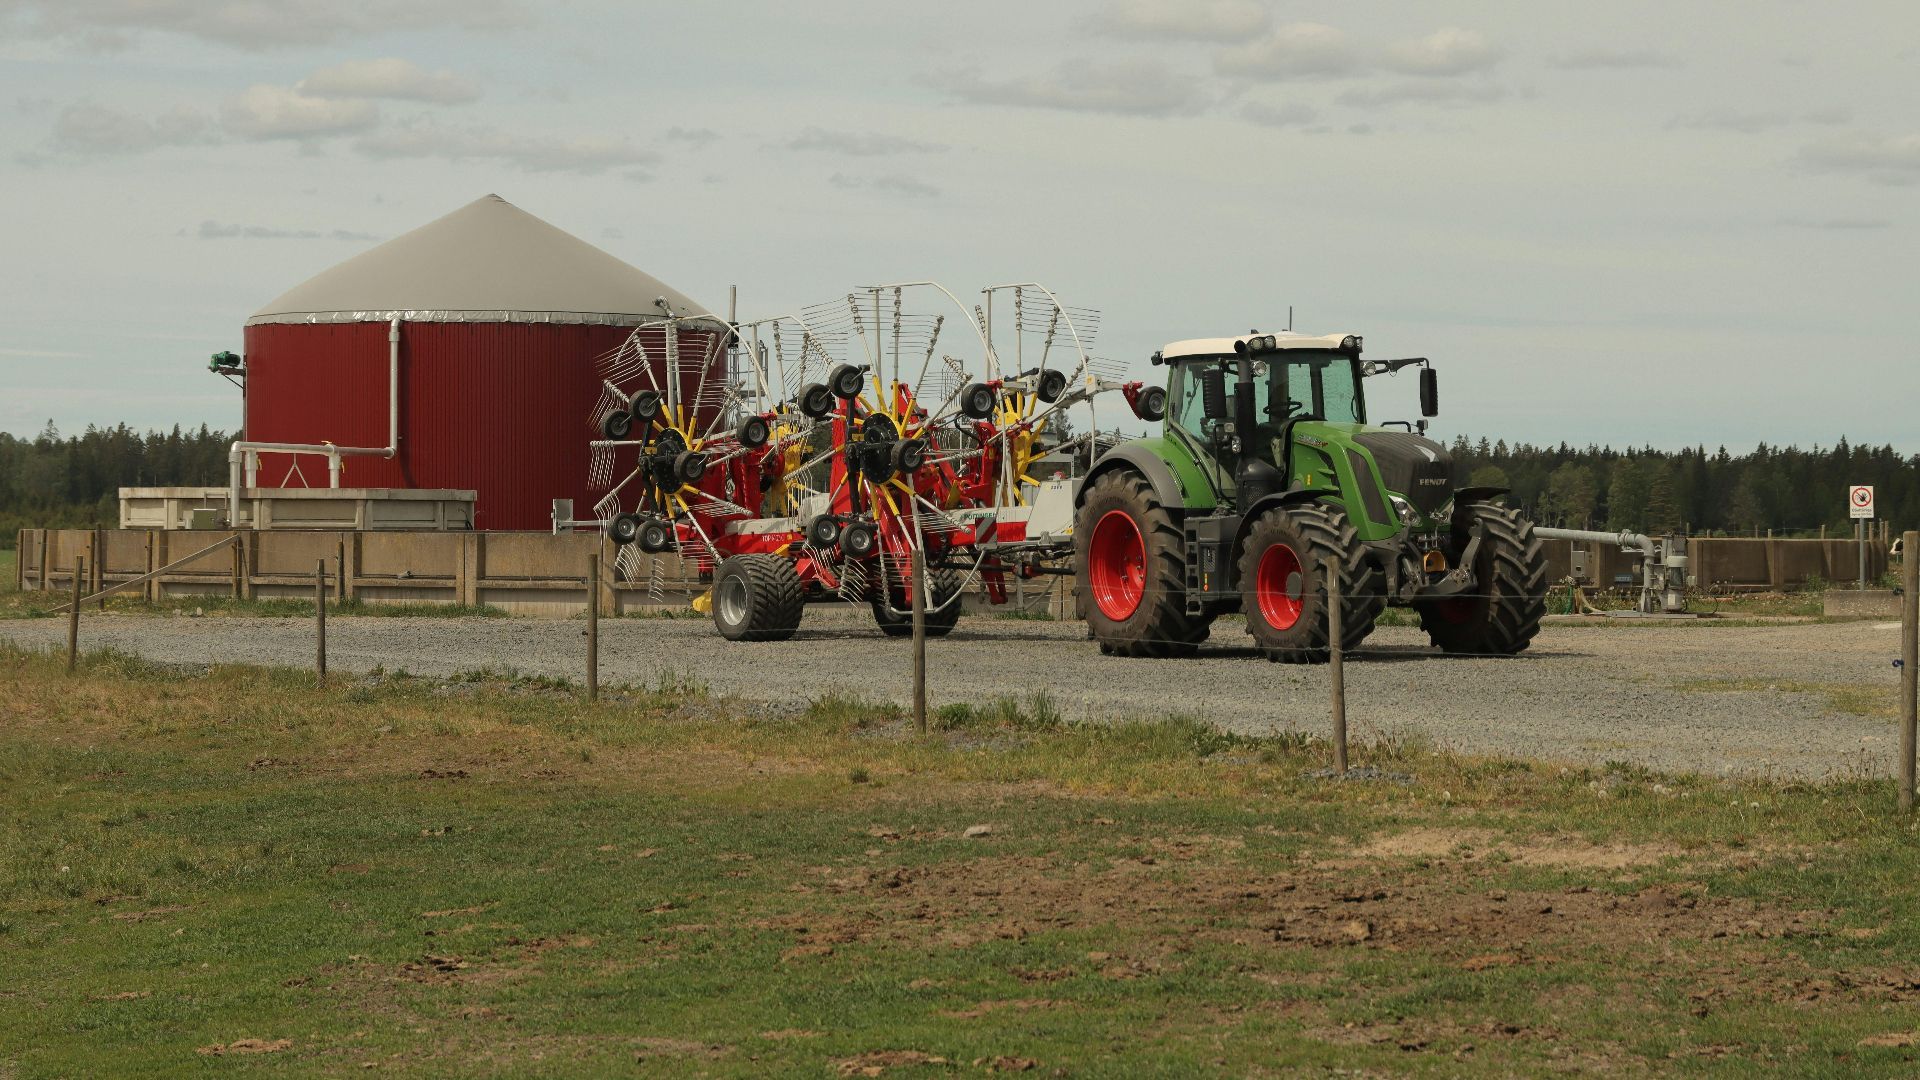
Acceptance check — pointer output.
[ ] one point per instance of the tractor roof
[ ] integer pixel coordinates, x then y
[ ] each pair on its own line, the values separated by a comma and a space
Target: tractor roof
1216, 346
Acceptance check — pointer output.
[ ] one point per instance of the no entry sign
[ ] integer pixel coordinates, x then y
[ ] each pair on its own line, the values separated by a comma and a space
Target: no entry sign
1860, 501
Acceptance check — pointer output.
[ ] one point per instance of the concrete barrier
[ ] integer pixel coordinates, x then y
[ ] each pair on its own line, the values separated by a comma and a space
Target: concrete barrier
537, 573
1860, 604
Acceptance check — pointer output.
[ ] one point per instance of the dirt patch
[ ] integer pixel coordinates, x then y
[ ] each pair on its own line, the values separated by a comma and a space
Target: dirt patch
1446, 911
246, 1046
1439, 842
880, 1062
151, 913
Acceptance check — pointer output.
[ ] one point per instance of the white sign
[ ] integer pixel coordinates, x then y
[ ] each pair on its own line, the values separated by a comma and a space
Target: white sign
1860, 501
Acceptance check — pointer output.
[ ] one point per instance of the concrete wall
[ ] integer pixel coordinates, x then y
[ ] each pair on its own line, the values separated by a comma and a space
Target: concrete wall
543, 574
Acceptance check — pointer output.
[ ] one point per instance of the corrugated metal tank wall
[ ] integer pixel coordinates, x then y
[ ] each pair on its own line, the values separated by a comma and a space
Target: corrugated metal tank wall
500, 408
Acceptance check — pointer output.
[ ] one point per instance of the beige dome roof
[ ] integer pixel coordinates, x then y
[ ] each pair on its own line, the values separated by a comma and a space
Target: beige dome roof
488, 261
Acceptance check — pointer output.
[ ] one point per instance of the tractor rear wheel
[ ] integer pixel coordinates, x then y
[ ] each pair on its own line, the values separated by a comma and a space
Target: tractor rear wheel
1283, 582
940, 619
1510, 594
1129, 557
757, 598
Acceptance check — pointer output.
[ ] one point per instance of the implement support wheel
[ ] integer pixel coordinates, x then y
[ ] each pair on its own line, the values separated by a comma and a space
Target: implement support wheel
757, 598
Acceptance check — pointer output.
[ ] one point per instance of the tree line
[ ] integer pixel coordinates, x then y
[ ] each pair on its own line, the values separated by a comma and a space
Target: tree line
1791, 491
73, 481
70, 482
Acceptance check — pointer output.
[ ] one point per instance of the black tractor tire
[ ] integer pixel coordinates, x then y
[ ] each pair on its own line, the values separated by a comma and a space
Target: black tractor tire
623, 529
977, 401
815, 401
1151, 404
858, 539
1510, 594
846, 380
644, 406
940, 620
823, 532
1050, 385
1284, 587
689, 467
654, 536
1135, 579
753, 432
757, 598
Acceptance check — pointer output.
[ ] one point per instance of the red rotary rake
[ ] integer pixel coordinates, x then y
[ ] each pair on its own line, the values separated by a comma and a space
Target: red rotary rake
846, 443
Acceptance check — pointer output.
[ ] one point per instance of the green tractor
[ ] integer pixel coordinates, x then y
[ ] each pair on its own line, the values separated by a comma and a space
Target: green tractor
1248, 497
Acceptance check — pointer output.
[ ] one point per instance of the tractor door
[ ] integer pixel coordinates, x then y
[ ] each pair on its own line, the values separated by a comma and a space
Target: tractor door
1206, 438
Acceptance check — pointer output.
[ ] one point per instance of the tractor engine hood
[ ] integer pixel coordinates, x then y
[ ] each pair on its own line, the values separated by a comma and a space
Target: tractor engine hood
1413, 467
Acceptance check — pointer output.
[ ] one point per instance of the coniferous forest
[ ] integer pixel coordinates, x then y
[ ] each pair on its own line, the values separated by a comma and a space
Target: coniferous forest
73, 481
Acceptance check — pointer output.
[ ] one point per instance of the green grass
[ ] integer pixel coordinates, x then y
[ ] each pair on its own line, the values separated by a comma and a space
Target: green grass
1855, 699
9, 562
486, 876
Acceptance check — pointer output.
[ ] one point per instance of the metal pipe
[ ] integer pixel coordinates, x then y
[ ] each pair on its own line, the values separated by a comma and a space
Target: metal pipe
1650, 558
243, 455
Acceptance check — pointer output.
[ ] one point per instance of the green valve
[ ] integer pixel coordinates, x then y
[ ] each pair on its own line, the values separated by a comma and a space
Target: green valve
223, 361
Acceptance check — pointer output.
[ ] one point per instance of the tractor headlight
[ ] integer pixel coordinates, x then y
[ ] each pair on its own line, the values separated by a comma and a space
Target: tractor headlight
1408, 515
1350, 343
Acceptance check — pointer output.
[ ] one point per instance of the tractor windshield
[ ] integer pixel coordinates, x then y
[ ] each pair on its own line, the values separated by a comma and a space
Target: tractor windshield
1323, 385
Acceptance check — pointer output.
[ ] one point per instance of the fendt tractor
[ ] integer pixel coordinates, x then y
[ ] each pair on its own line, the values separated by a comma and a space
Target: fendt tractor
1248, 496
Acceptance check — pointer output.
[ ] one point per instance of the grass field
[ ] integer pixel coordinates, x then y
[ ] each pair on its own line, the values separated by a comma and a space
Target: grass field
483, 876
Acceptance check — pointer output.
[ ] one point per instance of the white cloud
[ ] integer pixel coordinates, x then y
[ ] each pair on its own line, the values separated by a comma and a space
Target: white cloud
1882, 159
694, 137
860, 143
1447, 51
1454, 94
1614, 59
1127, 87
1753, 123
264, 111
1192, 20
895, 184
215, 230
389, 77
586, 155
86, 128
1746, 123
112, 24
1838, 224
1291, 114
1301, 50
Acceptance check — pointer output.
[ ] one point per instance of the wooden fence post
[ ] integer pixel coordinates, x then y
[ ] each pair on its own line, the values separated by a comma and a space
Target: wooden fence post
920, 637
320, 621
1337, 667
1909, 662
73, 615
593, 626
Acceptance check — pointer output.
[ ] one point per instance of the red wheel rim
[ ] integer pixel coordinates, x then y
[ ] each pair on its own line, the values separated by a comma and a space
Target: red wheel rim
1117, 565
1279, 585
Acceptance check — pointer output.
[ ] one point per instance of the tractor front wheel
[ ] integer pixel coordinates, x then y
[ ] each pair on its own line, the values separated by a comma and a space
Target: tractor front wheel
1131, 563
1283, 581
757, 598
1510, 593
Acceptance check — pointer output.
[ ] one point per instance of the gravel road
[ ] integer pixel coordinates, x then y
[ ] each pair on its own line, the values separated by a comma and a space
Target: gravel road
1582, 693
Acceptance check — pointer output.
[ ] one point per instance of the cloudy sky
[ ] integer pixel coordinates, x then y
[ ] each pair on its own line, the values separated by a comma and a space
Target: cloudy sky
1644, 223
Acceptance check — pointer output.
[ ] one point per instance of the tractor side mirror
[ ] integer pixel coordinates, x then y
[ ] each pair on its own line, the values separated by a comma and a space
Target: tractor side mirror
1429, 392
1213, 392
